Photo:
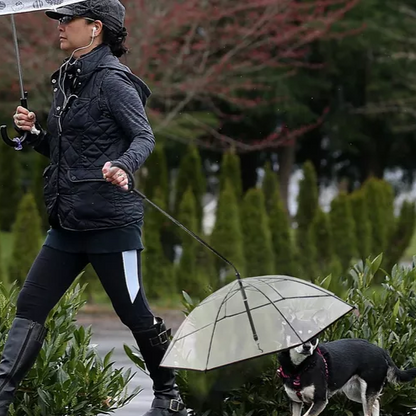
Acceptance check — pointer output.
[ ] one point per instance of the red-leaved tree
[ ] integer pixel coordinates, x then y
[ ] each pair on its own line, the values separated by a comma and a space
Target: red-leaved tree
194, 54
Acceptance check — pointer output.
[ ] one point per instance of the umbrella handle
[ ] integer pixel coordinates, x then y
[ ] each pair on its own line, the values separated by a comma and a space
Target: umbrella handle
16, 142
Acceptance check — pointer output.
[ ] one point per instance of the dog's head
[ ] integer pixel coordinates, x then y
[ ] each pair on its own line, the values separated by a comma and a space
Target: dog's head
307, 348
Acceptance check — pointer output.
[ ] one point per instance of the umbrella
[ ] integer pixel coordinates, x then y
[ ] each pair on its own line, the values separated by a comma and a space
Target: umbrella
11, 7
284, 311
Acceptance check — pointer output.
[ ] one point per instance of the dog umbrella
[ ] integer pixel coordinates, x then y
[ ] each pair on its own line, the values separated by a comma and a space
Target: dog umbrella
11, 7
285, 312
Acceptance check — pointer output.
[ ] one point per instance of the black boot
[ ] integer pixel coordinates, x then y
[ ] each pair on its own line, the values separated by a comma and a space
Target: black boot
153, 344
23, 344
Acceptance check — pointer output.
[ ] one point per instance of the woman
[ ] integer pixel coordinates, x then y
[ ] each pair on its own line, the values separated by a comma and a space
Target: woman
97, 130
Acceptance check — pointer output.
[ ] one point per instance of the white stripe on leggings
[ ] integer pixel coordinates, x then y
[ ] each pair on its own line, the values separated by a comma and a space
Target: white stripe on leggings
131, 273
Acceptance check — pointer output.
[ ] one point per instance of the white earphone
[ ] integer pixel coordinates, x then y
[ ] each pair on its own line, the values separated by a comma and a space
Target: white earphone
94, 29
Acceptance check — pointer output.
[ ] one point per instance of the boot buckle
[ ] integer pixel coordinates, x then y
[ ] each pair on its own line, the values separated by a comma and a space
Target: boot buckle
176, 405
161, 339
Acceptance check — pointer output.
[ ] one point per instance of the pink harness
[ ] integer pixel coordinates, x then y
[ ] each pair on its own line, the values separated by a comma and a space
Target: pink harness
296, 379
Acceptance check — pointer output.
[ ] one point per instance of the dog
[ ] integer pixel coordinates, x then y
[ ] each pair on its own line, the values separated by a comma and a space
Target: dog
314, 372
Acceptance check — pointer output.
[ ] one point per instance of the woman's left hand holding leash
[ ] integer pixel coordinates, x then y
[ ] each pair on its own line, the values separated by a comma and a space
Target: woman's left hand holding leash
115, 175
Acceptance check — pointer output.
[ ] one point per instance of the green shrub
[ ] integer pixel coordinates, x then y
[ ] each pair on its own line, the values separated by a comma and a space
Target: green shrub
188, 276
256, 234
158, 276
227, 235
376, 213
27, 238
386, 316
307, 197
230, 170
190, 175
307, 208
157, 177
362, 221
343, 230
402, 235
69, 377
280, 230
322, 241
10, 189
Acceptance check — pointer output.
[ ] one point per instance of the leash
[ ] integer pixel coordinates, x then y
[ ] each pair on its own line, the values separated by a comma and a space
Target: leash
295, 380
131, 188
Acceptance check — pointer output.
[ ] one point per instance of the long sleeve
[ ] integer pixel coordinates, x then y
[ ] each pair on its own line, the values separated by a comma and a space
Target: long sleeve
126, 107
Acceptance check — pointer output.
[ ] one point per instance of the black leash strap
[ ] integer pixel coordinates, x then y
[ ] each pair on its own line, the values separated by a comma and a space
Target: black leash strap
131, 188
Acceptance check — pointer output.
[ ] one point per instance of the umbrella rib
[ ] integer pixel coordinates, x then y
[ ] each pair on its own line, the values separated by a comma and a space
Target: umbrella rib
277, 309
215, 325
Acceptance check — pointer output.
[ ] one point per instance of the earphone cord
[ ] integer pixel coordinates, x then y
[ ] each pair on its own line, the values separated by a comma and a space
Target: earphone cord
61, 80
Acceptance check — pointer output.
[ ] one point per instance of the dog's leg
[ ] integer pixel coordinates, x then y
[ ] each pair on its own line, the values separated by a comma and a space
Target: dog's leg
316, 408
297, 408
376, 408
364, 399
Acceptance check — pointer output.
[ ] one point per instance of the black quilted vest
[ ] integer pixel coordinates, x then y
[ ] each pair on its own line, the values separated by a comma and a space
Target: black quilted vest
82, 137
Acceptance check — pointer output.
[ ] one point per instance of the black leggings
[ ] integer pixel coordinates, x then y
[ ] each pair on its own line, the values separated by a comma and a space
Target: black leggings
54, 271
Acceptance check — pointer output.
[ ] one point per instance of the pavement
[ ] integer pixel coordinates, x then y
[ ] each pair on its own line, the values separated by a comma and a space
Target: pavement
109, 333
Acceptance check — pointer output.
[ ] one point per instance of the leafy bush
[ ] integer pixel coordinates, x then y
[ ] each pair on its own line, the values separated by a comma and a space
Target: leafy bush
386, 317
69, 377
27, 238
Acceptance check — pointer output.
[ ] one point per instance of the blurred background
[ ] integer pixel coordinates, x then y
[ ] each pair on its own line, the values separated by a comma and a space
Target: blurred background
285, 135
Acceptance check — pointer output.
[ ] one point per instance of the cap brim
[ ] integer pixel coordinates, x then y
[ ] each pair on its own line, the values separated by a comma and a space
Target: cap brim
63, 11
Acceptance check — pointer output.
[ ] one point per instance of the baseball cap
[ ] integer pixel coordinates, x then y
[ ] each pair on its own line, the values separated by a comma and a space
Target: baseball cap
110, 12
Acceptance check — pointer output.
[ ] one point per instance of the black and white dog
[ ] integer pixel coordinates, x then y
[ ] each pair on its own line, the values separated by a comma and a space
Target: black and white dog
312, 373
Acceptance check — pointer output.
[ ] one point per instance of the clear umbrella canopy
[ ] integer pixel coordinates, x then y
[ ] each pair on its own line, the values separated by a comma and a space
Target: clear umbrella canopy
21, 6
285, 312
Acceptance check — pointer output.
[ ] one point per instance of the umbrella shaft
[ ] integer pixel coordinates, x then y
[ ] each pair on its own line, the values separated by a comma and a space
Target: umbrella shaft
16, 47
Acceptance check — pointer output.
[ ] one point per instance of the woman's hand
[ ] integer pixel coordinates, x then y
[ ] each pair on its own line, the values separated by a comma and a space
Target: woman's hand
115, 175
24, 119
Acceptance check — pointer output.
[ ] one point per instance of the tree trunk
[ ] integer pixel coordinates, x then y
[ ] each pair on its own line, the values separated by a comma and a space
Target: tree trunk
249, 164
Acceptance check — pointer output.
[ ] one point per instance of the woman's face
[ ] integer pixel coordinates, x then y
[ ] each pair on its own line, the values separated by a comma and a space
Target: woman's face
77, 32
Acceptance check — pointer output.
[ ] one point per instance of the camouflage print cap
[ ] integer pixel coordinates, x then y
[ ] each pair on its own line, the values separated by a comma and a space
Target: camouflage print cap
110, 12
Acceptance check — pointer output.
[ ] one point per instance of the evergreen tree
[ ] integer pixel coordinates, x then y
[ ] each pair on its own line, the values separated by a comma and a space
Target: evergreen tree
41, 162
157, 177
343, 230
10, 190
307, 198
307, 208
282, 244
387, 198
256, 234
230, 170
188, 277
158, 276
227, 235
191, 176
363, 226
2, 271
27, 238
402, 235
376, 214
270, 188
322, 240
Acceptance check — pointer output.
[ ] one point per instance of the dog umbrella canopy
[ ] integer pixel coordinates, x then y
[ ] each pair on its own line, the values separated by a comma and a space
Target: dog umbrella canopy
11, 7
284, 311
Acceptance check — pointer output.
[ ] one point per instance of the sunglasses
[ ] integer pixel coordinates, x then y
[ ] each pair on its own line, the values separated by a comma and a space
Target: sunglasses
64, 20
